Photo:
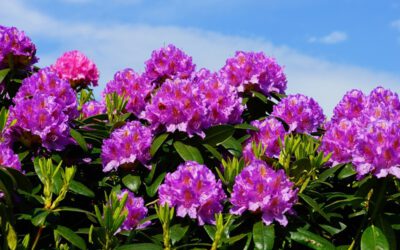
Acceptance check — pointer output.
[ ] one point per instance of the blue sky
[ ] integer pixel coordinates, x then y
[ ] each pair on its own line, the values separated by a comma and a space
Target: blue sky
327, 47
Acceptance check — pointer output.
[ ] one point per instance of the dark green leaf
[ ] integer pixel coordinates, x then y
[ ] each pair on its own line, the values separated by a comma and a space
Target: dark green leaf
3, 117
70, 236
152, 189
140, 246
347, 171
3, 74
311, 240
79, 139
263, 236
314, 205
218, 134
246, 126
39, 219
177, 232
233, 146
158, 141
373, 239
213, 151
187, 152
81, 189
132, 182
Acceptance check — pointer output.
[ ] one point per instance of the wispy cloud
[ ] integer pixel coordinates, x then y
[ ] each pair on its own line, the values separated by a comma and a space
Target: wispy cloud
332, 38
119, 46
396, 24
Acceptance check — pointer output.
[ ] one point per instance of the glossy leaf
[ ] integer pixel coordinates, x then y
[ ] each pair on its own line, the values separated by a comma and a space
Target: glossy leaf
373, 239
188, 153
218, 134
132, 182
311, 240
71, 236
263, 236
157, 143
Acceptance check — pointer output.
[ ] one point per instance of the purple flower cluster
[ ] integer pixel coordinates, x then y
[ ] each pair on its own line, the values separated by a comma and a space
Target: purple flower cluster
132, 86
76, 68
136, 211
176, 107
364, 130
258, 188
270, 132
222, 103
92, 108
194, 191
126, 146
44, 106
254, 71
8, 158
169, 63
16, 44
303, 114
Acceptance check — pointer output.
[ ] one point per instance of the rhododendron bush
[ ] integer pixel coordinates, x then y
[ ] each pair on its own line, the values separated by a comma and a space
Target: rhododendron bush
177, 157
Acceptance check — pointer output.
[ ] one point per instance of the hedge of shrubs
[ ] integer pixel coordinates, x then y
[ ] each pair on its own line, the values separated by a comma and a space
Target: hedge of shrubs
178, 157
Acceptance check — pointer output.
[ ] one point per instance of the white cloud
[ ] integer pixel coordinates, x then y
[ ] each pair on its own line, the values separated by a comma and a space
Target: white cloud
396, 24
119, 46
332, 38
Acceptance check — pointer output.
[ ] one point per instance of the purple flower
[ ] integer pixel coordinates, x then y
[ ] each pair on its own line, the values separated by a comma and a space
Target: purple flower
303, 114
269, 134
193, 190
76, 68
364, 130
136, 211
8, 158
132, 86
222, 103
126, 146
351, 106
44, 106
169, 63
340, 139
259, 188
40, 120
377, 148
46, 82
249, 70
15, 44
175, 107
93, 108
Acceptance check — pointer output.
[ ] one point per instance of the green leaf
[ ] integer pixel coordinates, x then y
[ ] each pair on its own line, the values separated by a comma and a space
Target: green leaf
39, 219
218, 134
373, 239
141, 246
81, 189
260, 96
210, 230
263, 236
177, 232
152, 189
3, 117
311, 240
347, 171
314, 205
383, 223
3, 74
12, 240
233, 146
70, 236
187, 152
157, 143
132, 182
79, 139
329, 172
213, 151
246, 126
